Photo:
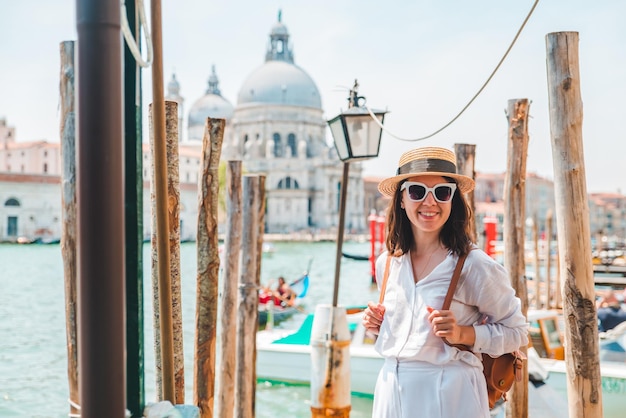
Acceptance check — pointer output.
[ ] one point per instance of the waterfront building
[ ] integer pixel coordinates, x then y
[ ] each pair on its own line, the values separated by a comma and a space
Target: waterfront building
489, 203
30, 192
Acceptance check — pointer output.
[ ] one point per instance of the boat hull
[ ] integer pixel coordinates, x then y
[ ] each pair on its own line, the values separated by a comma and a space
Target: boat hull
613, 384
291, 363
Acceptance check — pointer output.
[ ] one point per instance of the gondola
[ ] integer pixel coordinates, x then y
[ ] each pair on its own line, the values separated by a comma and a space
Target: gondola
280, 312
356, 257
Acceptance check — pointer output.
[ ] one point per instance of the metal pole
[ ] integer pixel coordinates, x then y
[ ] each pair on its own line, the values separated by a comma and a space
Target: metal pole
163, 250
100, 198
342, 221
135, 391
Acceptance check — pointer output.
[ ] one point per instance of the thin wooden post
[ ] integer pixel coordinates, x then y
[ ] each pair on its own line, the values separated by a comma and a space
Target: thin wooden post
548, 257
538, 292
68, 197
558, 284
225, 398
584, 385
465, 158
514, 228
260, 215
247, 313
160, 187
154, 270
173, 209
208, 268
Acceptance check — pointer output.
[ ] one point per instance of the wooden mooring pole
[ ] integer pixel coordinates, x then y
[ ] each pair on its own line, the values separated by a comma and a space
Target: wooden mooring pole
208, 260
160, 187
173, 233
465, 159
584, 385
514, 228
247, 313
225, 397
260, 215
537, 279
68, 197
550, 303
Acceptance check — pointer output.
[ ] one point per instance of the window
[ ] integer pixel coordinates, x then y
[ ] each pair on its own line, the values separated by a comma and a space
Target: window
45, 167
277, 145
288, 183
12, 202
291, 143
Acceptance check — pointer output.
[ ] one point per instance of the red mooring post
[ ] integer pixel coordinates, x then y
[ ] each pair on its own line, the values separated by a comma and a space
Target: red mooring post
490, 235
381, 233
372, 221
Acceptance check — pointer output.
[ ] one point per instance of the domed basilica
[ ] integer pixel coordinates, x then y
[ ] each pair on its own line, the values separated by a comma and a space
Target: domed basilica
278, 129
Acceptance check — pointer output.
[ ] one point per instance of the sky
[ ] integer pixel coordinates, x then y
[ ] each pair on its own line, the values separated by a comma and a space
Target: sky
422, 60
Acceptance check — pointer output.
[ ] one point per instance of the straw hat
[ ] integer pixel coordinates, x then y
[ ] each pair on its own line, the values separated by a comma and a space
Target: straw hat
426, 161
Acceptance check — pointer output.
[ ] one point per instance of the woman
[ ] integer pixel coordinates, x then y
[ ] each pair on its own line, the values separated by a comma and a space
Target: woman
428, 228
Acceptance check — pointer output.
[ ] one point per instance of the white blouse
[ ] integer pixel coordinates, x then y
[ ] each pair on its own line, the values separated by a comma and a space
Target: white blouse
483, 291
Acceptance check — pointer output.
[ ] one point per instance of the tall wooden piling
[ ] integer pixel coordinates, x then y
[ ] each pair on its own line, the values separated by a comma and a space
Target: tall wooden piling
68, 197
550, 303
208, 268
260, 215
160, 188
465, 159
536, 261
584, 386
225, 398
514, 227
173, 233
247, 313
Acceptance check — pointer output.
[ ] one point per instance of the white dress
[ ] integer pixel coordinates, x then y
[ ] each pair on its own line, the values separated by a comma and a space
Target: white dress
422, 376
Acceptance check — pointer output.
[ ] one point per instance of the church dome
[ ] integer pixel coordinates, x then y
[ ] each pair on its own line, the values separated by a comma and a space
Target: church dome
212, 104
280, 82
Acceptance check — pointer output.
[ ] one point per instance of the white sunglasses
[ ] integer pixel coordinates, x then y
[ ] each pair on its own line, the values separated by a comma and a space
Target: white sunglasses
417, 192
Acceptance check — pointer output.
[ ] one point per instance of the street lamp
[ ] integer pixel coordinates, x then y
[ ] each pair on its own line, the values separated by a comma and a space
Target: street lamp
356, 133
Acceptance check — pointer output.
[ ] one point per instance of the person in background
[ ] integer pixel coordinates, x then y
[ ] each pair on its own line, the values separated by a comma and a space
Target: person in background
607, 299
284, 293
610, 312
428, 228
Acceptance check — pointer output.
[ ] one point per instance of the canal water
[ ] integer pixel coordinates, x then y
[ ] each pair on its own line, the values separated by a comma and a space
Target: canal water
33, 356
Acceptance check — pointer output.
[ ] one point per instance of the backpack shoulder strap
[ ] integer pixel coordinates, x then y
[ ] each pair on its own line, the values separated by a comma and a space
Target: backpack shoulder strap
383, 287
453, 282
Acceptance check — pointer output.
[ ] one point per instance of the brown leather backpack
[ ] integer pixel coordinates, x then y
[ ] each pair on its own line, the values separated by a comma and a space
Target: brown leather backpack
500, 372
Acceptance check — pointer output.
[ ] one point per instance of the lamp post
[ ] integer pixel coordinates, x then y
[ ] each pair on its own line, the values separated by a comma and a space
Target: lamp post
356, 133
357, 137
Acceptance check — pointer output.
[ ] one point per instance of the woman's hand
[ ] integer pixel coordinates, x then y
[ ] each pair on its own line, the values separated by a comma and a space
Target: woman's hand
445, 326
373, 316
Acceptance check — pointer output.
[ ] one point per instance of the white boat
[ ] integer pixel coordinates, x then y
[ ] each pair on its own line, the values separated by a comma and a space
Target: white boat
285, 355
547, 342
